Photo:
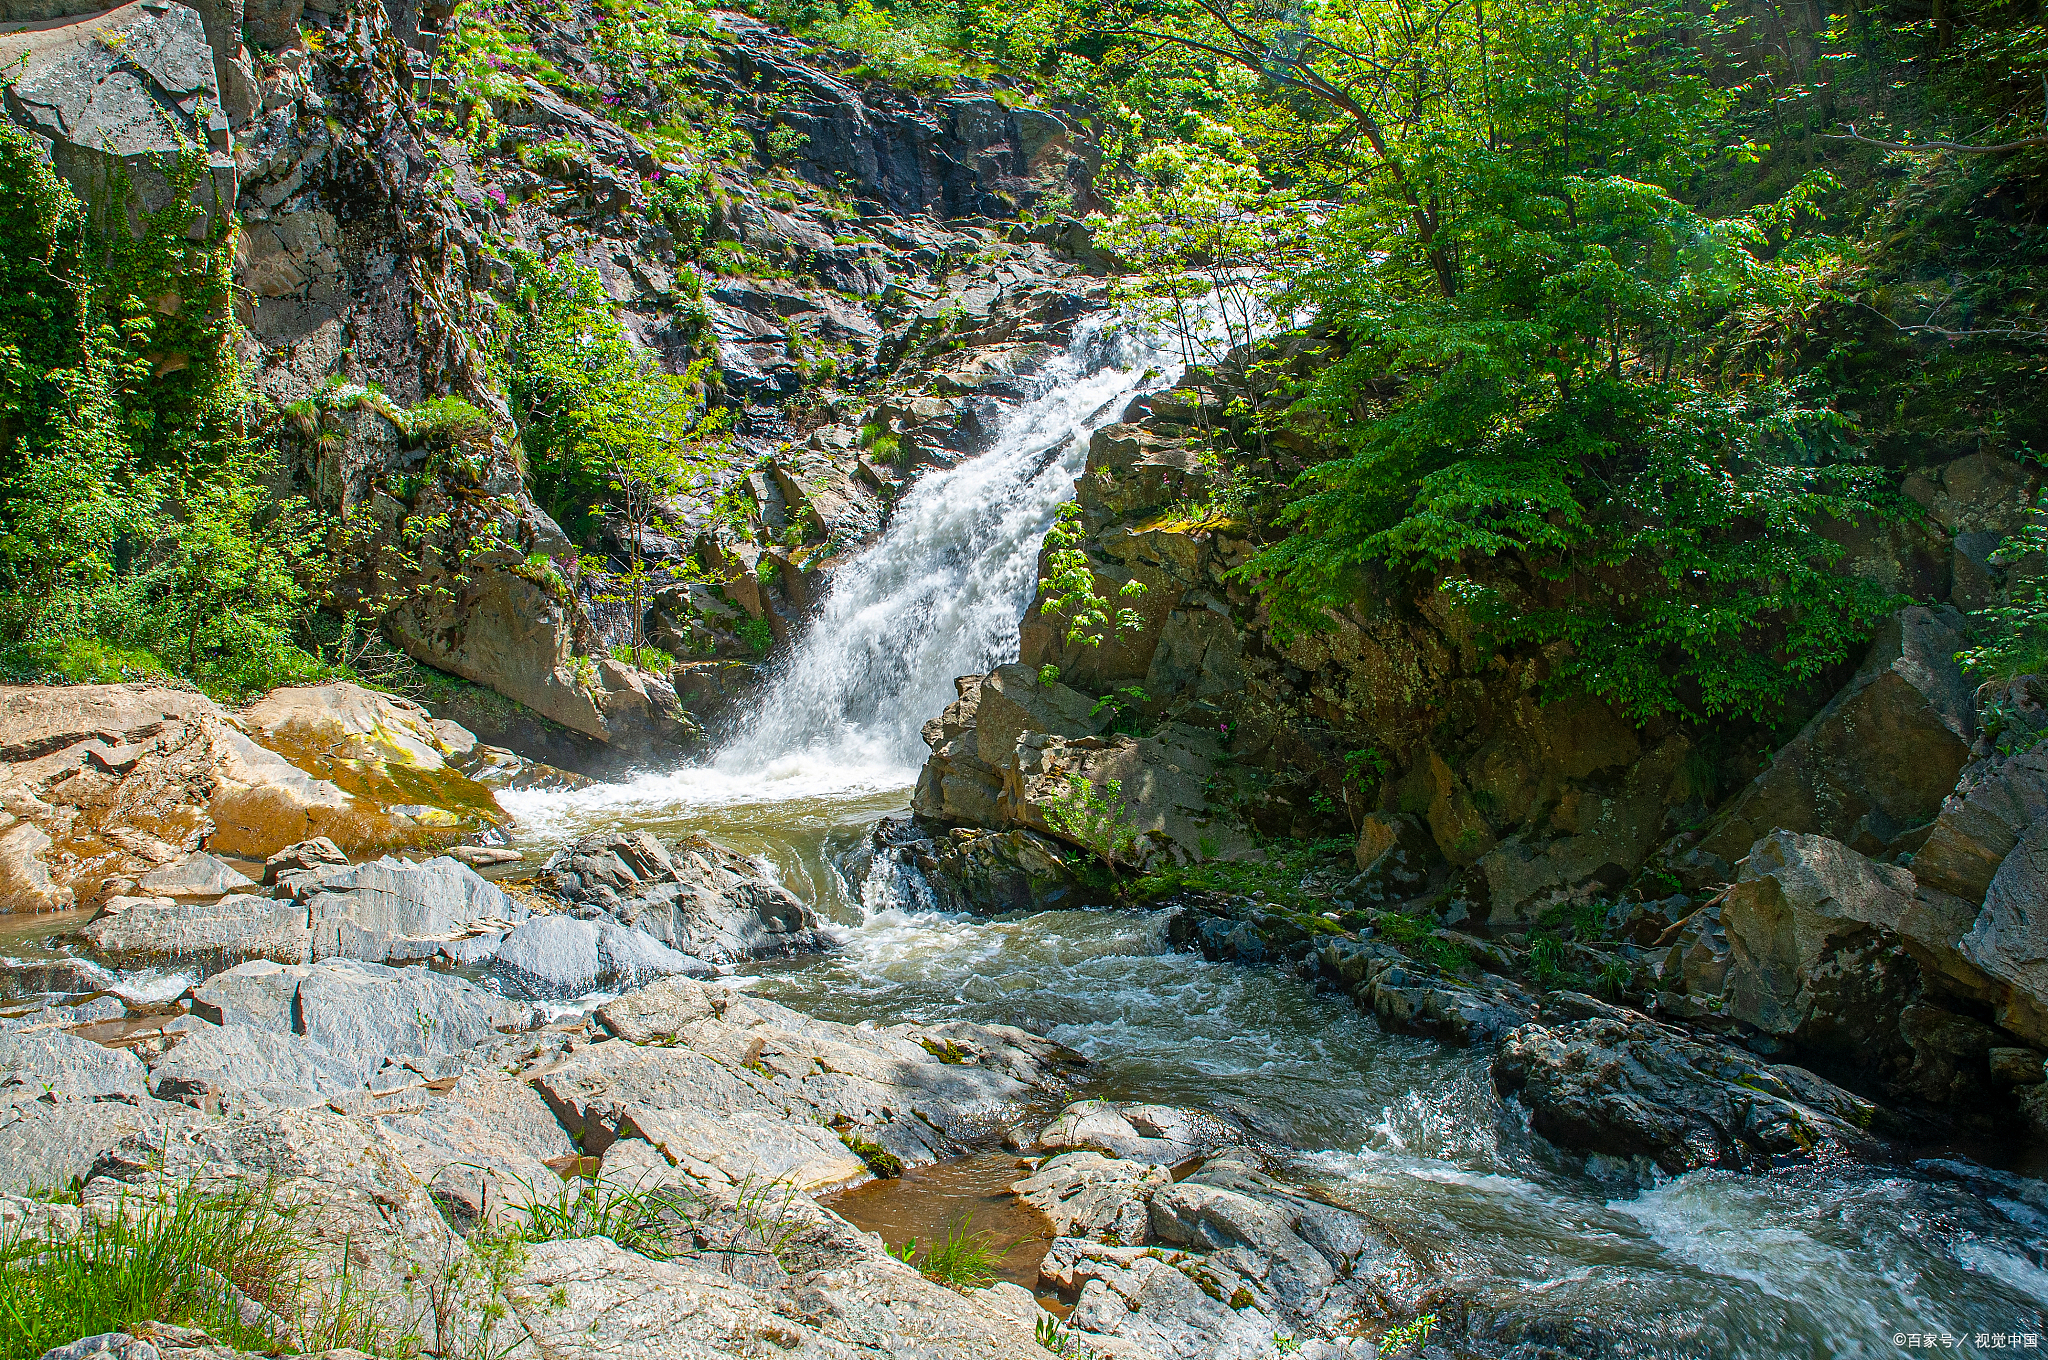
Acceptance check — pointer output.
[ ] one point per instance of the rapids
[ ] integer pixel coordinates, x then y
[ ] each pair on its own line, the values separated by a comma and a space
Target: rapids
1836, 1258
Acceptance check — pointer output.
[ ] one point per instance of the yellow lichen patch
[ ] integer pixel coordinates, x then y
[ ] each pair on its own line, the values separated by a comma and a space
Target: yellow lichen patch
383, 774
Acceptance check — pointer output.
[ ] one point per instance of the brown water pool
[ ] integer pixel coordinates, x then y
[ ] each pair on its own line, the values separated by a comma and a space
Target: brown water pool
929, 1202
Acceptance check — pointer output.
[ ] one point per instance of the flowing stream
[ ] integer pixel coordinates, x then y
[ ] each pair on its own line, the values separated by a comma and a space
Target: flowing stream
1831, 1258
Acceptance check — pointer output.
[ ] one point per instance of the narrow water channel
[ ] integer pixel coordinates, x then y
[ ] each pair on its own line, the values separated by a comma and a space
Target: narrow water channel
1831, 1258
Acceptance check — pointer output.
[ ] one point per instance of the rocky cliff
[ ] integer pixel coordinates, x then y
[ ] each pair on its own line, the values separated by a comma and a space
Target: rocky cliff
375, 170
1845, 890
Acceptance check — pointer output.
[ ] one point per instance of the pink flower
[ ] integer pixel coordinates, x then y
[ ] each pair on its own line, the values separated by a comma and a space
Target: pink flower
497, 196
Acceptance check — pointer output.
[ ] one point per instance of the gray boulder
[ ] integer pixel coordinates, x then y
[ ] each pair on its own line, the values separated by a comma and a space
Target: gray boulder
247, 1065
391, 910
235, 928
1085, 1194
359, 1014
702, 898
560, 956
1625, 1086
1158, 1135
200, 875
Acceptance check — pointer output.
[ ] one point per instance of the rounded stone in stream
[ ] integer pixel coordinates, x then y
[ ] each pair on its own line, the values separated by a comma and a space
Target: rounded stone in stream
557, 957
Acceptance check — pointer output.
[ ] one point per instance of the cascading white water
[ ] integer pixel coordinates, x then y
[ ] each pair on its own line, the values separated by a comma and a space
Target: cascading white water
941, 593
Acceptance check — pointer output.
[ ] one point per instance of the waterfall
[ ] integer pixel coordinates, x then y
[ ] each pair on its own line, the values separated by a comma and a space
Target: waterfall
941, 592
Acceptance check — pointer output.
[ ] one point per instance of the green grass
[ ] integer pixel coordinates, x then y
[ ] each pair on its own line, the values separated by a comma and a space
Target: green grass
964, 1260
651, 659
163, 1264
79, 661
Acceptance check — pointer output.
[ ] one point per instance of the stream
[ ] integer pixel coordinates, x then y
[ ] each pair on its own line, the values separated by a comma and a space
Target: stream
1833, 1258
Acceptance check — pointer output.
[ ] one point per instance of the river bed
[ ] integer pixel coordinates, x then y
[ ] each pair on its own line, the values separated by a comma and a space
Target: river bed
1831, 1258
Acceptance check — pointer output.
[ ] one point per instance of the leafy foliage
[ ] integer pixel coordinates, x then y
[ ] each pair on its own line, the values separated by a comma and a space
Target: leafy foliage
1069, 591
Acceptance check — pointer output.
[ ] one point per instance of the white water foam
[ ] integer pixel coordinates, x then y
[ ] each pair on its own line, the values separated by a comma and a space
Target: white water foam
938, 595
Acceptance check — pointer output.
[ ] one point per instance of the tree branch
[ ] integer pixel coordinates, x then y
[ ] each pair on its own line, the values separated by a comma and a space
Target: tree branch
1963, 148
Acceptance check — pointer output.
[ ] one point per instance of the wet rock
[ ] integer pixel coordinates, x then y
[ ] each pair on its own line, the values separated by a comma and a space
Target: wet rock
195, 876
394, 910
1624, 1086
1158, 1135
701, 899
1879, 760
1420, 998
559, 957
236, 928
1085, 1194
986, 872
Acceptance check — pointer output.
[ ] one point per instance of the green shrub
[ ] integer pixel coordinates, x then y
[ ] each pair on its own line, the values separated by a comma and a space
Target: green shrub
78, 661
650, 659
158, 1262
757, 635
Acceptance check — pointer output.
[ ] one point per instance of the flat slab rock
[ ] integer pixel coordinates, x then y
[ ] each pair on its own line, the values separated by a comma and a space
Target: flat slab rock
728, 1085
304, 1034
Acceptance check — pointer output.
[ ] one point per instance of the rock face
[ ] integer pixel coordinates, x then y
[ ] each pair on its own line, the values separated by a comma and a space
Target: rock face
699, 898
1626, 1086
119, 95
134, 778
1879, 760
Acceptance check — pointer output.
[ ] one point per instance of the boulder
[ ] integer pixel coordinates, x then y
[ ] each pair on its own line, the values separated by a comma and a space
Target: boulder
238, 1067
1085, 1194
1625, 1086
1995, 800
49, 1147
234, 929
701, 899
200, 875
1156, 1135
2009, 940
556, 957
49, 1066
394, 910
1879, 760
358, 1014
1161, 791
986, 872
379, 748
1801, 902
1414, 997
